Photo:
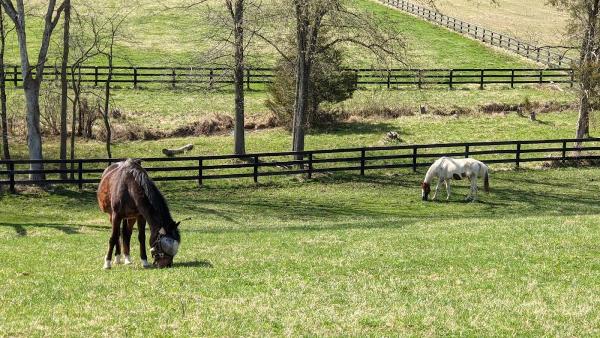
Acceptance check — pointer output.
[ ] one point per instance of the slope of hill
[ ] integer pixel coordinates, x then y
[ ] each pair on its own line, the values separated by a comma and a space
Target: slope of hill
157, 37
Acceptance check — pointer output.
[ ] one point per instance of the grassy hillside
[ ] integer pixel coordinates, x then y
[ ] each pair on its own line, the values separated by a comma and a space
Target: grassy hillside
361, 257
157, 37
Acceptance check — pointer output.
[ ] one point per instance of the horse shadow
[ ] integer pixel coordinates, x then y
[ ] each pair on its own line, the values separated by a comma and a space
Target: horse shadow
194, 264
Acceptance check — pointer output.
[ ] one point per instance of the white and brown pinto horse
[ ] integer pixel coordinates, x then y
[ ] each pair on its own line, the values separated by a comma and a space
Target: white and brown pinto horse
128, 195
447, 168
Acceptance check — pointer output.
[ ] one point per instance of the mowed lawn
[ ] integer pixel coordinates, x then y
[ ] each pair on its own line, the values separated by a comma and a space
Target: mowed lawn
340, 255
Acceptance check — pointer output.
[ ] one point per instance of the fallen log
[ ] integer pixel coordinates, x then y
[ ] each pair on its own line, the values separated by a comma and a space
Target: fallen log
176, 151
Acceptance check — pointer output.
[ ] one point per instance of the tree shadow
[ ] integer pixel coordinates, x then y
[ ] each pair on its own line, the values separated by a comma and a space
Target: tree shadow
351, 128
69, 229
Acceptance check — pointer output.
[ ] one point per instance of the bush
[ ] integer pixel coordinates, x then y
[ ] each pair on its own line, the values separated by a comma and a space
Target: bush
329, 83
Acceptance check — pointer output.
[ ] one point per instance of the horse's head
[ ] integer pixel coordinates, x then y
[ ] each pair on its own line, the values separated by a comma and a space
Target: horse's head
425, 190
166, 246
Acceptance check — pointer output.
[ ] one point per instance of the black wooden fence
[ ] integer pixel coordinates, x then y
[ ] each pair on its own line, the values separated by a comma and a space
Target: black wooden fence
391, 78
539, 54
360, 160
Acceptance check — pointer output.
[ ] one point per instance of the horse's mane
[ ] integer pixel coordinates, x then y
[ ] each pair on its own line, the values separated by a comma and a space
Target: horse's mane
160, 213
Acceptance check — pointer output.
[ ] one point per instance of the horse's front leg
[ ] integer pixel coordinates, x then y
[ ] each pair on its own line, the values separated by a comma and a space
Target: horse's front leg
437, 188
447, 189
142, 238
127, 231
113, 242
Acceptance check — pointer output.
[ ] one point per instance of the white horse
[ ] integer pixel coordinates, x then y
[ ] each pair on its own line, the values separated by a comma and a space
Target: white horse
447, 168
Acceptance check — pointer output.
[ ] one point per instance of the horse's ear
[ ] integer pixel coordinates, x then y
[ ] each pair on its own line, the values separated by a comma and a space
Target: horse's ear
177, 224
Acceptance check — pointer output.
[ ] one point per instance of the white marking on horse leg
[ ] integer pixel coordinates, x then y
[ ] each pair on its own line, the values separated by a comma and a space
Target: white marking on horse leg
117, 259
127, 260
447, 189
107, 264
145, 263
437, 189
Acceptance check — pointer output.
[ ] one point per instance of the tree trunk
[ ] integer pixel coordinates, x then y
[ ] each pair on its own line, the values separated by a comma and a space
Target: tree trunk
302, 79
34, 137
239, 137
106, 116
588, 61
76, 84
64, 85
4, 124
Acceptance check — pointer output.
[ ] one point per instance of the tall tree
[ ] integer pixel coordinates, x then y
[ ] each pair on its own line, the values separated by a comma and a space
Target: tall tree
3, 111
31, 82
584, 32
64, 82
236, 10
345, 27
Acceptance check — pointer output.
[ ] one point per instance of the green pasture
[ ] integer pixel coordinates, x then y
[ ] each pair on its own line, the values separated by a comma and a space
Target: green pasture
155, 36
331, 256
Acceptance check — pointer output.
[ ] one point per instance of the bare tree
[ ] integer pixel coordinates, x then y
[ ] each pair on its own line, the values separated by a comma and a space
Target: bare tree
3, 112
31, 83
345, 27
584, 28
64, 82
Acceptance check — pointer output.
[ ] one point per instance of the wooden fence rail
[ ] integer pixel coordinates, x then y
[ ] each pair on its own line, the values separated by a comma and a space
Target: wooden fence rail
390, 78
256, 165
539, 54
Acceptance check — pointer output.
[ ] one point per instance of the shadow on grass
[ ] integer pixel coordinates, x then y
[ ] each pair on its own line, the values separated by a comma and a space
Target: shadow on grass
351, 128
69, 229
193, 264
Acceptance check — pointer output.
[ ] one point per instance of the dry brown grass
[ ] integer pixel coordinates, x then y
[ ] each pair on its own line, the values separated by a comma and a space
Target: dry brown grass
529, 20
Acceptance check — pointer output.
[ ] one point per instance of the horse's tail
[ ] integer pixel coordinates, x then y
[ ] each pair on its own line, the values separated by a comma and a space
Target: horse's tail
486, 179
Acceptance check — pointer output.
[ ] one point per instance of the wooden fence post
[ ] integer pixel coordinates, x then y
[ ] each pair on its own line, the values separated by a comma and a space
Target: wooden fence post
512, 79
466, 151
572, 77
96, 76
15, 76
255, 174
564, 152
362, 161
173, 77
248, 78
419, 75
80, 174
11, 177
481, 80
541, 76
310, 165
450, 80
414, 159
135, 77
518, 155
200, 173
389, 80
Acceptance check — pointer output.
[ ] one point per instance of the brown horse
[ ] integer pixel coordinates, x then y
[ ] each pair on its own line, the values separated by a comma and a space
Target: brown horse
128, 195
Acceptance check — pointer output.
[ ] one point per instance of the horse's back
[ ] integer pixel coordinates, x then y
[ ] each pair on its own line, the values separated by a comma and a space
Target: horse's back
104, 187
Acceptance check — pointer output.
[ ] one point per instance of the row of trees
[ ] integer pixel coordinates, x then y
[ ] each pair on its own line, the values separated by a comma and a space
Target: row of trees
315, 31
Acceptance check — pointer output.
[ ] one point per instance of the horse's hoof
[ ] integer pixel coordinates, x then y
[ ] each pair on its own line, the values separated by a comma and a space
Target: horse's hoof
145, 264
107, 265
117, 259
127, 260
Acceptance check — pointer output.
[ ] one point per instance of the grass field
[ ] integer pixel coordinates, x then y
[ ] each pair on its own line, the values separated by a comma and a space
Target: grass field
532, 21
155, 37
344, 256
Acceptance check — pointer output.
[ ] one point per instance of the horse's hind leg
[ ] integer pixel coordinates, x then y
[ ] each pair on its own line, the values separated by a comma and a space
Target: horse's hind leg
127, 231
447, 189
142, 238
113, 241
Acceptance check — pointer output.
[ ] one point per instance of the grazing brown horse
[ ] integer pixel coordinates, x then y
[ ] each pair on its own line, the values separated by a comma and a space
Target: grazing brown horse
128, 195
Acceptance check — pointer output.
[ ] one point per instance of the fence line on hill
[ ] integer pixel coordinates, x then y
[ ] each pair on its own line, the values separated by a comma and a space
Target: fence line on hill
390, 78
255, 165
539, 54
